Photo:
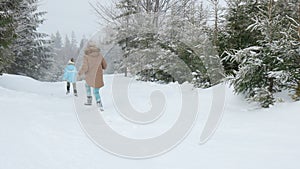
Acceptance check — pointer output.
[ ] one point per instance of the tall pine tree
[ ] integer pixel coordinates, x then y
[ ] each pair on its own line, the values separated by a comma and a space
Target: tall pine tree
31, 49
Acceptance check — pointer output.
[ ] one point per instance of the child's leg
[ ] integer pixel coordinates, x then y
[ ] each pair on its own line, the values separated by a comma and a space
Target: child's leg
68, 87
74, 88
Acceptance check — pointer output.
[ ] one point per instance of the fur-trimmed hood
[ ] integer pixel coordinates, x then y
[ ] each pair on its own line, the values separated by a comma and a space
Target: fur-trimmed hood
71, 63
92, 50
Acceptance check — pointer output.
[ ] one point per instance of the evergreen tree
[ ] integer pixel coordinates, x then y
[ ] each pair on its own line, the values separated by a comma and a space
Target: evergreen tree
127, 8
73, 40
290, 12
74, 49
31, 50
67, 49
57, 41
58, 63
235, 35
7, 32
273, 65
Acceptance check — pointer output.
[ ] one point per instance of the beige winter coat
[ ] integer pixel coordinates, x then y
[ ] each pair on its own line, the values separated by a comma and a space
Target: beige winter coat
93, 66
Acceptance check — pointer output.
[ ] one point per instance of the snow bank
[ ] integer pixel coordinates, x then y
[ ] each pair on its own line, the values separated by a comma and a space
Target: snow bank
30, 85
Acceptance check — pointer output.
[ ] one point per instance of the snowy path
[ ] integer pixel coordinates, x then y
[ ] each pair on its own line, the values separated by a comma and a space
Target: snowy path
39, 129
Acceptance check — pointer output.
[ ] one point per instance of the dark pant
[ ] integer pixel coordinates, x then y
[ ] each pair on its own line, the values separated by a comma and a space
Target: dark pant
74, 87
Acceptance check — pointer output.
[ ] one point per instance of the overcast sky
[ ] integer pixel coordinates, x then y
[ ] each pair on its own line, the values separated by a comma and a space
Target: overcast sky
66, 16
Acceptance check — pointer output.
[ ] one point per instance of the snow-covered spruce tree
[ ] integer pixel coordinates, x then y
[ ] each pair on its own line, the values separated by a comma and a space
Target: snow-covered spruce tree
124, 9
273, 64
291, 8
57, 41
235, 35
58, 64
7, 32
45, 59
31, 49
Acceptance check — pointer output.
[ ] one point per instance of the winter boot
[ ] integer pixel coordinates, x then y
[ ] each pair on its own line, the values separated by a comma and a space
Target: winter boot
89, 101
75, 93
100, 106
67, 92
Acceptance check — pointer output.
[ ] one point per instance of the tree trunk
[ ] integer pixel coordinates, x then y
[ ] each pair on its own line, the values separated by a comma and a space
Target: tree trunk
156, 12
216, 11
156, 8
148, 6
298, 90
271, 85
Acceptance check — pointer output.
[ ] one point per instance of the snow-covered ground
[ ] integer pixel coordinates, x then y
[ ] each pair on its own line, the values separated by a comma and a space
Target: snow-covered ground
39, 129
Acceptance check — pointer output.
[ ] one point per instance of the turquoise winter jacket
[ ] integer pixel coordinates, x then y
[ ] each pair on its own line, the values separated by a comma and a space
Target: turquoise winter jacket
70, 73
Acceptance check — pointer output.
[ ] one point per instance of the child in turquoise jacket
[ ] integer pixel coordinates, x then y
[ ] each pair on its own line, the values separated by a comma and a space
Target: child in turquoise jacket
70, 76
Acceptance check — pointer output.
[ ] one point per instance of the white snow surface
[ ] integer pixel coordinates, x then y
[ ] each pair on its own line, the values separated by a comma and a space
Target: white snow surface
39, 129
